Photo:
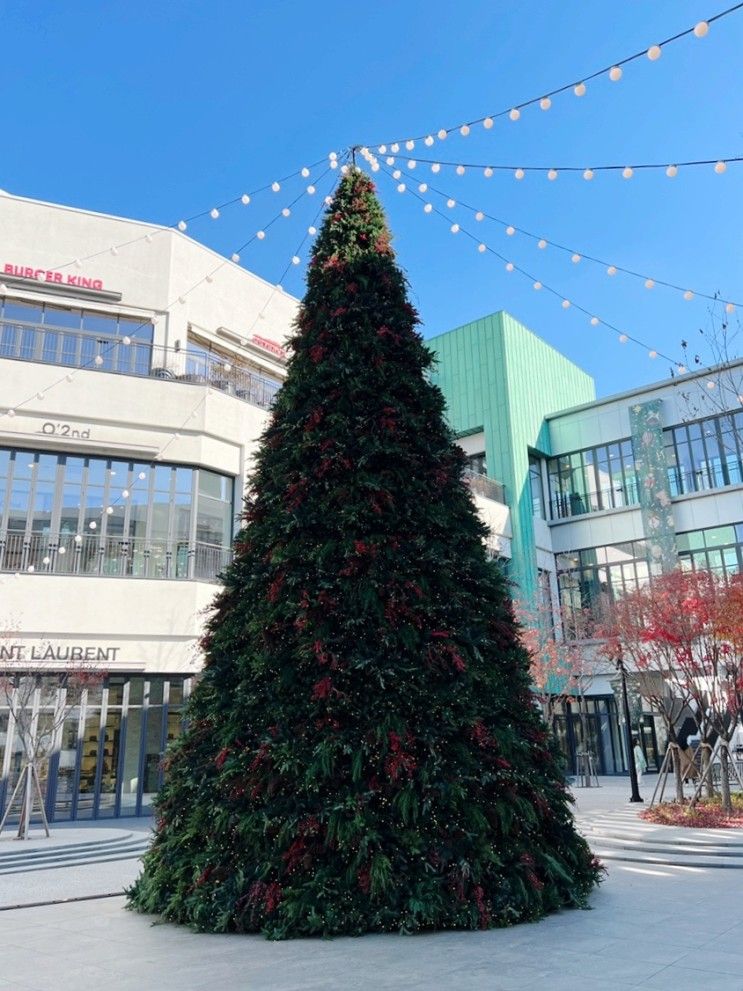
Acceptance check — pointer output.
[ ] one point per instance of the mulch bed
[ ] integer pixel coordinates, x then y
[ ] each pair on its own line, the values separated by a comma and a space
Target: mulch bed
706, 814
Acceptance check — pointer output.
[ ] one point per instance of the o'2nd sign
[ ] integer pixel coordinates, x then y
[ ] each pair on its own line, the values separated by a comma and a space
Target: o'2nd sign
52, 428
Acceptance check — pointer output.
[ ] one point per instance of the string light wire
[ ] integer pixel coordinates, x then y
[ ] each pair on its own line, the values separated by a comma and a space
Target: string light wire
545, 169
514, 110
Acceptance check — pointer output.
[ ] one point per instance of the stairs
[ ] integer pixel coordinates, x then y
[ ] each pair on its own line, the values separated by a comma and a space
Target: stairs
41, 855
621, 835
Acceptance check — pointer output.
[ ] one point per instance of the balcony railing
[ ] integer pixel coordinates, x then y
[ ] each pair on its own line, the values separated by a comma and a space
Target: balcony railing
94, 352
566, 504
109, 556
485, 486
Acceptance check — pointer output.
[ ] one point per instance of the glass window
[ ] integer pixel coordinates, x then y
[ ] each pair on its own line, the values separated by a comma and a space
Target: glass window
14, 309
62, 316
535, 486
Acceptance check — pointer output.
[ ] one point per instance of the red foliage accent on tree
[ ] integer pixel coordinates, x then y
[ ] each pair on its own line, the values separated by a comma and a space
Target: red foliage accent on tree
221, 757
322, 689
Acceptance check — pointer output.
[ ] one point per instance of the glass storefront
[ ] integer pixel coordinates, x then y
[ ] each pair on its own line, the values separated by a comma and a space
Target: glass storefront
591, 725
107, 758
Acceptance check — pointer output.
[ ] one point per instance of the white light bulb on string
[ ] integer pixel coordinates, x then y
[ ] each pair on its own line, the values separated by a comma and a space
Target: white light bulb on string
488, 172
227, 366
11, 413
545, 103
575, 258
649, 283
479, 216
552, 175
654, 53
427, 208
615, 73
77, 539
514, 114
482, 248
375, 166
62, 550
519, 173
688, 295
109, 510
92, 525
423, 187
720, 167
69, 377
30, 569
595, 321
580, 89
39, 395
410, 144
333, 163
623, 339
442, 134
510, 266
460, 170
651, 354
98, 360
541, 243
395, 148
182, 225
412, 163
510, 230
210, 278
565, 304
436, 168
148, 239
296, 259
711, 385
214, 213
245, 199
78, 264
344, 169
401, 187
454, 228
275, 186
701, 29
332, 155
114, 251
260, 235
464, 130
396, 174
142, 475
125, 494
390, 160
729, 307
305, 172
312, 231
428, 140
46, 560
588, 174
451, 204
488, 123
286, 212
672, 171
235, 257
627, 172
311, 190
537, 285
382, 149
181, 300
611, 270
328, 200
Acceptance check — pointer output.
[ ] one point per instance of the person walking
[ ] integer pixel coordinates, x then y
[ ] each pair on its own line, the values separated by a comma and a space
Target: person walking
641, 765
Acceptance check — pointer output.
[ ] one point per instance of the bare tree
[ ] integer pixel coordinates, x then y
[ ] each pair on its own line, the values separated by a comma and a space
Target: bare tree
39, 702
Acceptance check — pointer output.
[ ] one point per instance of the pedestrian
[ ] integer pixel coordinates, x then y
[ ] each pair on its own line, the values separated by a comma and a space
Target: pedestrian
641, 765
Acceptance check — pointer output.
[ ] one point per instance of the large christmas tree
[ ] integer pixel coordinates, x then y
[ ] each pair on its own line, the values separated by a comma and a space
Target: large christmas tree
363, 752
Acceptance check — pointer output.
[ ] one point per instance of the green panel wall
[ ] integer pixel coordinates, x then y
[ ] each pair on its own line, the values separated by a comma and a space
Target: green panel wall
499, 376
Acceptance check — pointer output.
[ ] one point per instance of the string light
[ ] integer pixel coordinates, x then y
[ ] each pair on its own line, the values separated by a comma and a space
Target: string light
613, 69
487, 172
275, 186
672, 171
552, 175
541, 243
464, 130
460, 170
488, 123
588, 174
519, 173
182, 225
627, 172
245, 199
719, 165
580, 89
575, 258
214, 213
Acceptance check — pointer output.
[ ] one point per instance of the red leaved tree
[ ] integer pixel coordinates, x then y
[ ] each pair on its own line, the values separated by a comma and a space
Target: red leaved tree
681, 635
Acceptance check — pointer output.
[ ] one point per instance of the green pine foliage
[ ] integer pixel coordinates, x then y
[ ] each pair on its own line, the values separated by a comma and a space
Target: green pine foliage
363, 753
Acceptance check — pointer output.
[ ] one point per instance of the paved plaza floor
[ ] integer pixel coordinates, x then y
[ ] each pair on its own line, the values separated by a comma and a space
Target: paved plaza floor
651, 927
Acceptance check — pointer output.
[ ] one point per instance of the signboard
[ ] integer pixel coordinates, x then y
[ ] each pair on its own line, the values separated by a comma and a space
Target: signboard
267, 345
54, 652
53, 276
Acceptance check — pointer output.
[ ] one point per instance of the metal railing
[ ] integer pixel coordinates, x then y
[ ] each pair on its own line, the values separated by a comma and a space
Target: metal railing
95, 352
566, 504
111, 556
485, 486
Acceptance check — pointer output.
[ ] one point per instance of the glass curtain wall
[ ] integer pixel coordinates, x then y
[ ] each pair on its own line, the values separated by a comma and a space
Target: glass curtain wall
107, 759
71, 514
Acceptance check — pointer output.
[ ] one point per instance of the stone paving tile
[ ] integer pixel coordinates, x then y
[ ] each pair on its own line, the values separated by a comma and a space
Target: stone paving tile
676, 977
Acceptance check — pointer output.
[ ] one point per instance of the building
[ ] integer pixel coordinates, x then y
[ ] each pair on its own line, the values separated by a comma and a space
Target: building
601, 493
137, 369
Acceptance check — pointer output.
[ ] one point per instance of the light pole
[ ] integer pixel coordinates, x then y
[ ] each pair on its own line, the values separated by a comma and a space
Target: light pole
635, 796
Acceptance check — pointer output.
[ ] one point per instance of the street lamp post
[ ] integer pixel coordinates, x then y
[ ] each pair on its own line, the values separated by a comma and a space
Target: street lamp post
635, 796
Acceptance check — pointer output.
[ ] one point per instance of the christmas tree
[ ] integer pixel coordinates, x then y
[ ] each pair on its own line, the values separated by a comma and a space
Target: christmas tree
363, 752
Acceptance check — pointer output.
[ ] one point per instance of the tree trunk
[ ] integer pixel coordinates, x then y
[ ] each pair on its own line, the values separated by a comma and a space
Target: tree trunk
24, 823
727, 802
678, 773
709, 783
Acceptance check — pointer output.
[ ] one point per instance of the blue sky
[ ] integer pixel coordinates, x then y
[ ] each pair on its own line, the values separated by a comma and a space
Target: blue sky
159, 111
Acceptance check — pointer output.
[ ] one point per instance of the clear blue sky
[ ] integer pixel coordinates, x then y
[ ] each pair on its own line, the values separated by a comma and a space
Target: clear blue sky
158, 111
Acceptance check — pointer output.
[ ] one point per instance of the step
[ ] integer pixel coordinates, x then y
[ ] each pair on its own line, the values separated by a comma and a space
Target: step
685, 860
21, 850
64, 853
654, 846
53, 865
